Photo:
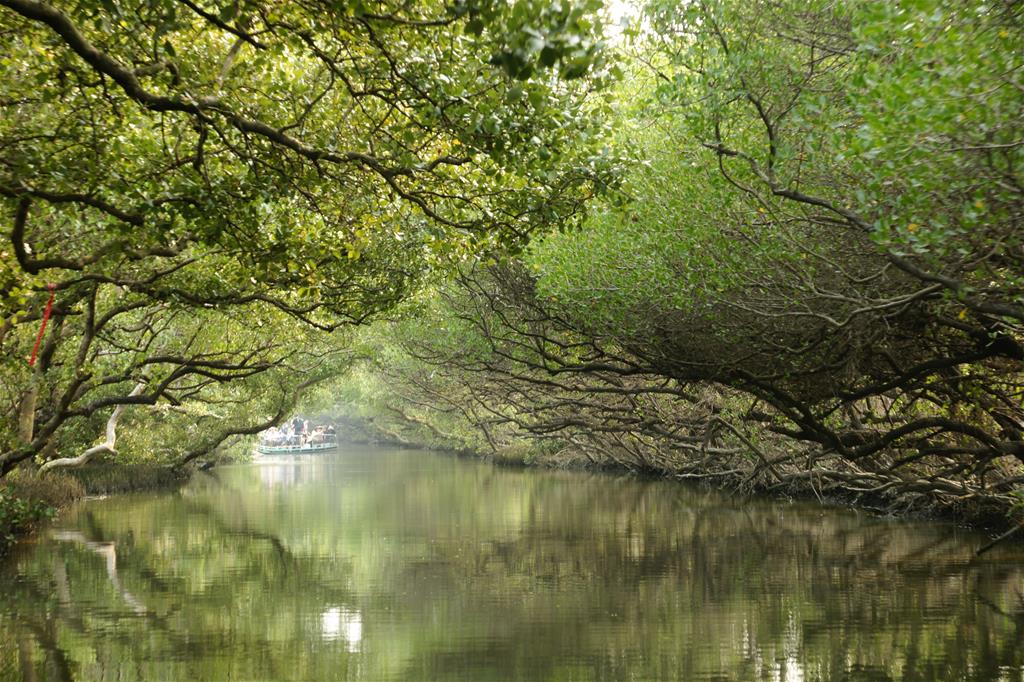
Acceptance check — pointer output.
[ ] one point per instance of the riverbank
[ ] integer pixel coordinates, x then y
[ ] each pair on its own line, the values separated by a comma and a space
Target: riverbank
28, 500
762, 479
774, 475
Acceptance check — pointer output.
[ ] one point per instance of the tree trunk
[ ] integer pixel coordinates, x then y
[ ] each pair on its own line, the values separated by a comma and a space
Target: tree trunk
27, 411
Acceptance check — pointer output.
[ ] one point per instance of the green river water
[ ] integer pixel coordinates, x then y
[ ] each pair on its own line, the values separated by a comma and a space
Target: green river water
377, 564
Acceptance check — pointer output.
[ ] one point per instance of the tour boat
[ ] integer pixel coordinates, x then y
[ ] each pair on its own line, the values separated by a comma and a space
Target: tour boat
297, 448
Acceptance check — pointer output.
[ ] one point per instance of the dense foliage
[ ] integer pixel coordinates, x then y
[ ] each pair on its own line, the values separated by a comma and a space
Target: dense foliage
206, 187
815, 264
784, 249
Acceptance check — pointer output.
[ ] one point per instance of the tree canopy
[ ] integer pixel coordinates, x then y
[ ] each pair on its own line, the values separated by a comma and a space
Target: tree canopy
773, 243
192, 179
813, 263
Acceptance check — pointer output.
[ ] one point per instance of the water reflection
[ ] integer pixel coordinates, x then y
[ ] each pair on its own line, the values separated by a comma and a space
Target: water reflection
379, 565
107, 550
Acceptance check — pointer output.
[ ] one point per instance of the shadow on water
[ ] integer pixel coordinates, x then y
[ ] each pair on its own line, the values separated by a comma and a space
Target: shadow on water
394, 565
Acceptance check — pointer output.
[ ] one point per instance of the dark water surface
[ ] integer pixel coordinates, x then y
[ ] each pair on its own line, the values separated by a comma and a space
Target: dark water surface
386, 565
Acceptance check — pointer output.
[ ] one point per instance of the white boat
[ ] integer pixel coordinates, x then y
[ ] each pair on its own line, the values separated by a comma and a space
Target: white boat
274, 442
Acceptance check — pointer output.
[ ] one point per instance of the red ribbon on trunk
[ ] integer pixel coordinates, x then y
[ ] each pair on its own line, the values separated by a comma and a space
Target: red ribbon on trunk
42, 327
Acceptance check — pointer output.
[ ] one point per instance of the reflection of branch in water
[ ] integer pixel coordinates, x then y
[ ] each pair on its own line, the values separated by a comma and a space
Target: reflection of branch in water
43, 633
1008, 534
243, 529
58, 667
928, 549
28, 671
1012, 643
68, 615
60, 580
1015, 617
107, 550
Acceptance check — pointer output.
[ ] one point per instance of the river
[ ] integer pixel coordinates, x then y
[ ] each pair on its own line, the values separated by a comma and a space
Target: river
378, 564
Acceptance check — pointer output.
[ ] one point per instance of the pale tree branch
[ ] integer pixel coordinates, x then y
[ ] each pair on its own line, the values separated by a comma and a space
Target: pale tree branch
107, 446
